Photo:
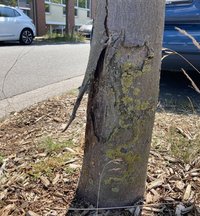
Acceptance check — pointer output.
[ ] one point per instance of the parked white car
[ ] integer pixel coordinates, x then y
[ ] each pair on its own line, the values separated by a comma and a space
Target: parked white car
15, 25
86, 29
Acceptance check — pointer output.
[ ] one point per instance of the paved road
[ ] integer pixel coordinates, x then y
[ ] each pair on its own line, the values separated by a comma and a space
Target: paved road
42, 71
26, 68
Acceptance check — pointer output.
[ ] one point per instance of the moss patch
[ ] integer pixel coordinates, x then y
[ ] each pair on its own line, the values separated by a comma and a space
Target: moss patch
49, 166
52, 146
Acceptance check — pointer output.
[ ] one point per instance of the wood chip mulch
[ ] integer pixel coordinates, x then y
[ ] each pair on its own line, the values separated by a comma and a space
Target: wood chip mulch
38, 180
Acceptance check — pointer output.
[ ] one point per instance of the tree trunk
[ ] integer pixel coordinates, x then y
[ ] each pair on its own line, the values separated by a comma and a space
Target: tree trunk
67, 18
122, 101
69, 23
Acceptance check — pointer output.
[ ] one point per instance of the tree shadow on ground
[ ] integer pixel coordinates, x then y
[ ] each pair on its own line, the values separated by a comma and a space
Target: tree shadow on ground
157, 209
177, 94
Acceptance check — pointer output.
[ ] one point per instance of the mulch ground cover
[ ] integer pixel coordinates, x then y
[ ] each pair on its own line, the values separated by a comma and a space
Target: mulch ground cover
40, 165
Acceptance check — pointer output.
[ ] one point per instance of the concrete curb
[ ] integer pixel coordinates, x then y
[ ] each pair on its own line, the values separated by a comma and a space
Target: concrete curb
27, 99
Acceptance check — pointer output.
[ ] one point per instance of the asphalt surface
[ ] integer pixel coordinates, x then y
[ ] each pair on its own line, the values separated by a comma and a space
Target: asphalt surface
29, 74
177, 94
26, 68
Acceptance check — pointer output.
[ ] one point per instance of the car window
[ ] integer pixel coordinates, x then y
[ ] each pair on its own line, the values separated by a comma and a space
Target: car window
7, 12
172, 2
17, 13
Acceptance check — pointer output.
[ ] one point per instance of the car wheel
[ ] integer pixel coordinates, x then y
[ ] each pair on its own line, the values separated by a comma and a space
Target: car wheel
26, 37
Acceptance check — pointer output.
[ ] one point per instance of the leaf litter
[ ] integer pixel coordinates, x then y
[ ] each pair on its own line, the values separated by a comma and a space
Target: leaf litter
40, 166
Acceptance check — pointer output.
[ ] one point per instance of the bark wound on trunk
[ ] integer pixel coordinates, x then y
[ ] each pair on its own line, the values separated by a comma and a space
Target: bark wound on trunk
122, 101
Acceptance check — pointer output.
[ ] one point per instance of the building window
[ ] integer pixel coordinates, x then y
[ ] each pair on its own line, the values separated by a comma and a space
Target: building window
63, 2
76, 3
23, 3
64, 11
88, 4
82, 3
47, 8
56, 1
75, 12
85, 4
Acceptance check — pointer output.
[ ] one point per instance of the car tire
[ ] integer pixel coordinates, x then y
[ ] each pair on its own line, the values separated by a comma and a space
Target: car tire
26, 37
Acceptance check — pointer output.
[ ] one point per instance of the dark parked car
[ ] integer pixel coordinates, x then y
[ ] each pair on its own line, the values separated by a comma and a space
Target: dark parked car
184, 14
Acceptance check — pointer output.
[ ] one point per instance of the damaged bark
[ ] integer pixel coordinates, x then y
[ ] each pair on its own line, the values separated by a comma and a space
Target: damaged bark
97, 48
123, 74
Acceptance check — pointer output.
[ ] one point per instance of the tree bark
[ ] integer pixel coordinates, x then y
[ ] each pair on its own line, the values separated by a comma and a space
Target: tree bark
124, 70
69, 23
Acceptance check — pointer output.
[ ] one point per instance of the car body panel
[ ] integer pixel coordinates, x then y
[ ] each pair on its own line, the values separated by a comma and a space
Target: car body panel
86, 29
11, 27
185, 11
185, 15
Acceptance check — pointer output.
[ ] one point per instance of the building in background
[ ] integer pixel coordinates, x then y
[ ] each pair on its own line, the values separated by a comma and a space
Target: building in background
55, 13
50, 15
25, 5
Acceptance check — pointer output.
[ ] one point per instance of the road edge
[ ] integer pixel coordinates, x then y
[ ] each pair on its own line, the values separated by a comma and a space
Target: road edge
19, 102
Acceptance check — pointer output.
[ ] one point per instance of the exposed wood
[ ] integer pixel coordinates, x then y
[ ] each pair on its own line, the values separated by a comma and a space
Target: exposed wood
97, 47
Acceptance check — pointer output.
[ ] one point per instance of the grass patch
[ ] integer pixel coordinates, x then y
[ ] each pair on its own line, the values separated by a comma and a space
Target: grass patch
73, 92
182, 147
49, 166
64, 38
50, 146
53, 163
177, 135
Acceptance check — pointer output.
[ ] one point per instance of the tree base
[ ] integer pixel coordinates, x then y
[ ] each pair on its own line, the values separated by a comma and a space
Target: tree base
79, 207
